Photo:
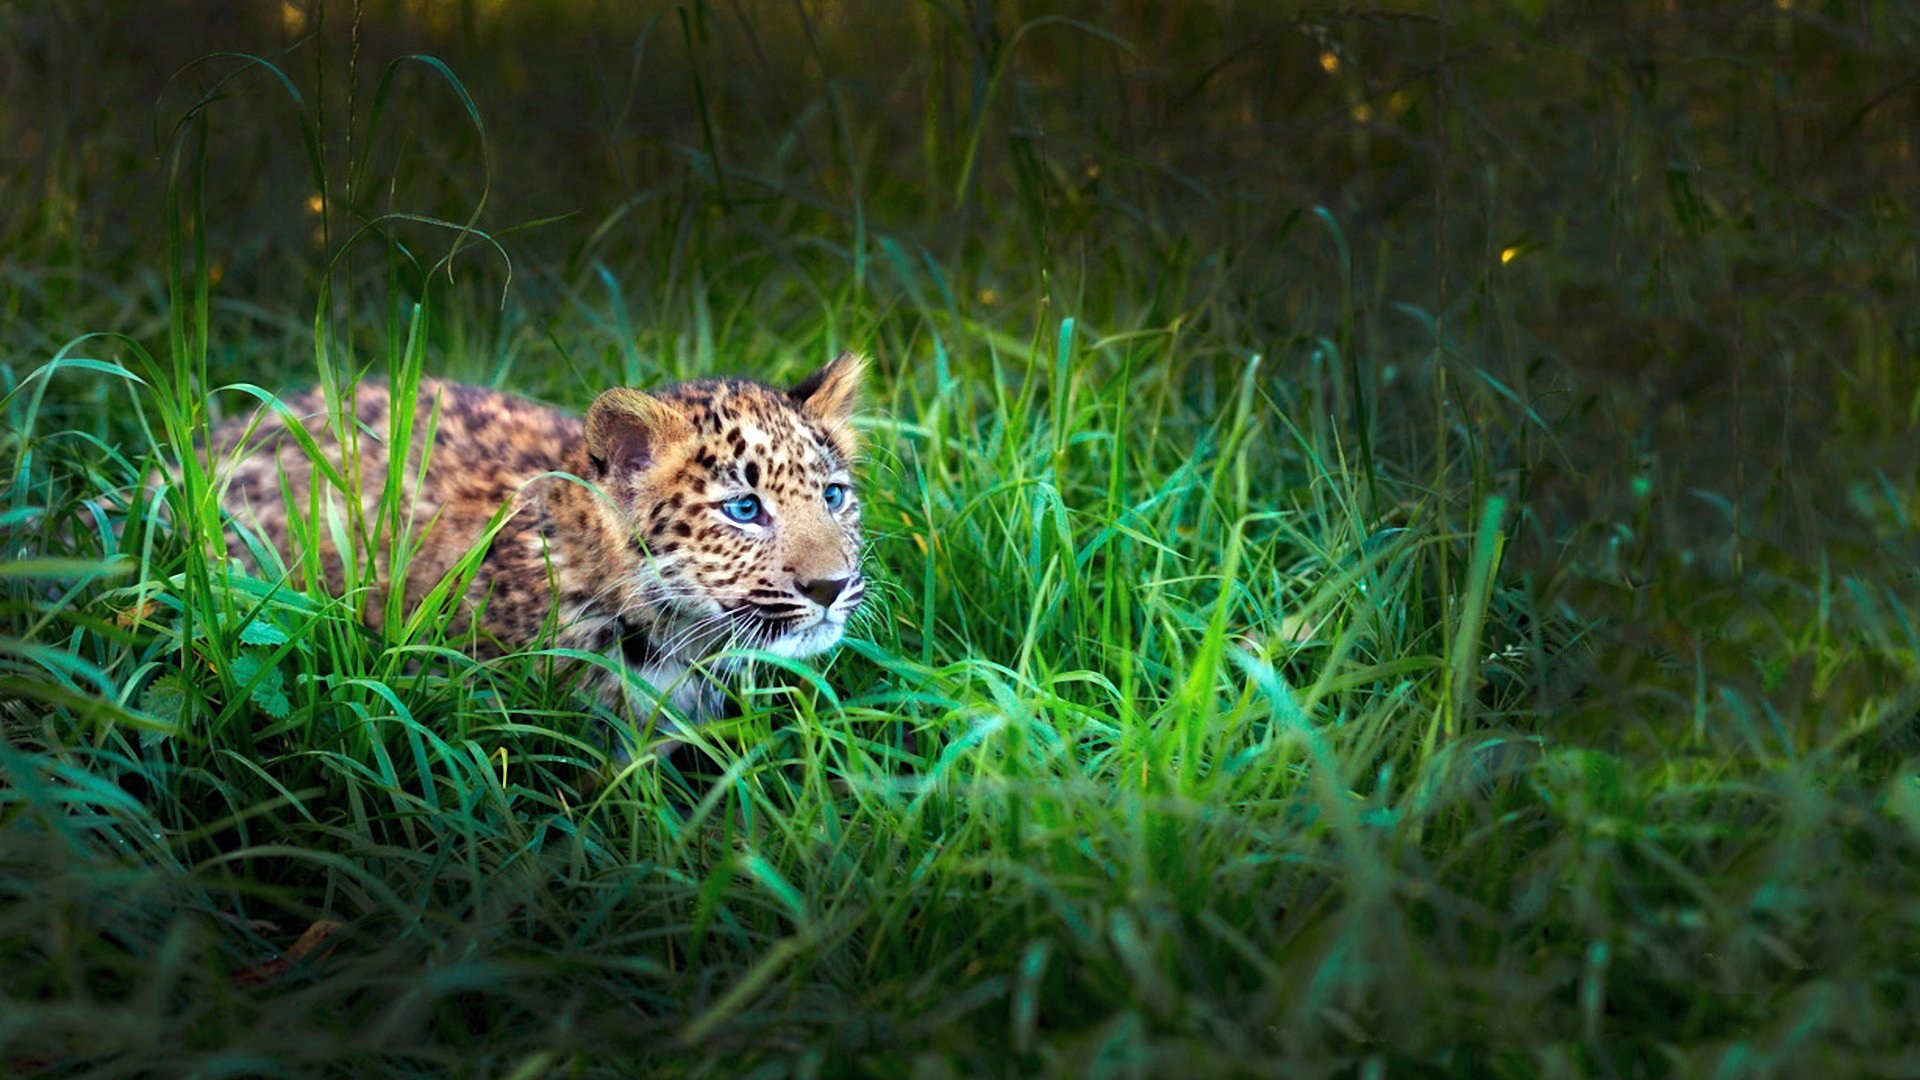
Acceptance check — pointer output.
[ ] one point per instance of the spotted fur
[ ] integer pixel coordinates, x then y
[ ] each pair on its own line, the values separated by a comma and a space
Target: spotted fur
641, 562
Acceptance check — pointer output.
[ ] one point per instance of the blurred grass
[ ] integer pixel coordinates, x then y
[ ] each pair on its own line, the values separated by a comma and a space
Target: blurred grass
1395, 540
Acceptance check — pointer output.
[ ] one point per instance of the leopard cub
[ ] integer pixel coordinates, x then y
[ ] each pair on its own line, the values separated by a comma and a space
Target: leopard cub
715, 514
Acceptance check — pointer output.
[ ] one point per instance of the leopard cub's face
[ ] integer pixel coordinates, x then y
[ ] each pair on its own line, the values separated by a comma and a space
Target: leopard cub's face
743, 510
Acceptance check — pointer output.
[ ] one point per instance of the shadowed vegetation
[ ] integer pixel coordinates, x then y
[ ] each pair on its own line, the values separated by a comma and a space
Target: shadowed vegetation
1392, 538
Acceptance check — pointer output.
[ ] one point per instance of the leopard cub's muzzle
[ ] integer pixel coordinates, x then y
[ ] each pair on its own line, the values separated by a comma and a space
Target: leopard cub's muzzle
834, 597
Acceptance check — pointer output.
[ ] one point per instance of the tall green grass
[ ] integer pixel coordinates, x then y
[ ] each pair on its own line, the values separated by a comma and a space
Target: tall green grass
1281, 660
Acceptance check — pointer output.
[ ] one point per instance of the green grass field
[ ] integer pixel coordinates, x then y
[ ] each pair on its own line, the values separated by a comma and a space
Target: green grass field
1392, 529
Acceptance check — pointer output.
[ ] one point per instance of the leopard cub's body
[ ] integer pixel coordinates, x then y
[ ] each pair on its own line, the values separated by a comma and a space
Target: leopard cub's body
714, 514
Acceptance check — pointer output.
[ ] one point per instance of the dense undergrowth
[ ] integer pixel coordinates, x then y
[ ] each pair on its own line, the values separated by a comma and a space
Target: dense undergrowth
1392, 534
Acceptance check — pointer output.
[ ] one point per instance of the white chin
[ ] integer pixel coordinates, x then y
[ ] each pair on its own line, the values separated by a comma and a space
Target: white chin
817, 638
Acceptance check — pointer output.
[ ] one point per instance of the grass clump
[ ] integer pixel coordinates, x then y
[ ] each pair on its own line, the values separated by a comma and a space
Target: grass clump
1379, 568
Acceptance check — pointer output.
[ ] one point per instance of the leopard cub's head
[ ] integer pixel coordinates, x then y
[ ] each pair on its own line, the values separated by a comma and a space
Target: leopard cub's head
741, 505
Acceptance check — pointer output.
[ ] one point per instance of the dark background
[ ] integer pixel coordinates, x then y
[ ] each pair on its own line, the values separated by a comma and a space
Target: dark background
1707, 207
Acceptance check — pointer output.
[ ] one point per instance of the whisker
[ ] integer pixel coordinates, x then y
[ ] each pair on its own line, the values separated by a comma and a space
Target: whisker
686, 635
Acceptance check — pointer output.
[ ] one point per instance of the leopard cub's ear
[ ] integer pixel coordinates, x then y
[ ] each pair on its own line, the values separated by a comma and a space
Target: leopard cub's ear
628, 430
831, 394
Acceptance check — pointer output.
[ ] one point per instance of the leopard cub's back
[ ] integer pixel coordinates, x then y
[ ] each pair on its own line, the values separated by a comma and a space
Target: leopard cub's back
486, 445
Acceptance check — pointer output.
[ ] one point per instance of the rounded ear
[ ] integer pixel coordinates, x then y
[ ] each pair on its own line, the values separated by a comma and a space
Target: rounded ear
628, 430
831, 394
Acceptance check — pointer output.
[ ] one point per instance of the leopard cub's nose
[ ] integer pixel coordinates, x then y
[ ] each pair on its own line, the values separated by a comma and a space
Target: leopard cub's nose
824, 591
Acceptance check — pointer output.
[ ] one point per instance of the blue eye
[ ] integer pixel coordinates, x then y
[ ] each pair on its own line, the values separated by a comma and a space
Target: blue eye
742, 508
836, 495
